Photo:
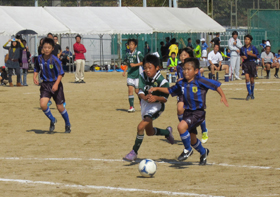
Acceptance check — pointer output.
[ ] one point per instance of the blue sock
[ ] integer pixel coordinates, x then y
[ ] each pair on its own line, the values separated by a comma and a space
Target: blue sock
186, 139
252, 87
48, 113
249, 88
203, 126
198, 146
180, 117
65, 117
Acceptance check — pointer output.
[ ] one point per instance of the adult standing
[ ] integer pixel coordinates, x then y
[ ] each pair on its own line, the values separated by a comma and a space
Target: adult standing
79, 50
14, 58
234, 45
25, 55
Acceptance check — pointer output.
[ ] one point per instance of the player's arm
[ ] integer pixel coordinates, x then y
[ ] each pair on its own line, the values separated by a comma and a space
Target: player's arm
125, 71
35, 80
223, 97
55, 85
36, 71
135, 65
263, 62
161, 89
153, 98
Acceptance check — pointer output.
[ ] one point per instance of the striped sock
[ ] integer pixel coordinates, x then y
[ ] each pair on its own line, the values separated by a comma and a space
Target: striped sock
180, 117
198, 146
186, 139
138, 142
203, 126
65, 117
131, 100
248, 85
48, 113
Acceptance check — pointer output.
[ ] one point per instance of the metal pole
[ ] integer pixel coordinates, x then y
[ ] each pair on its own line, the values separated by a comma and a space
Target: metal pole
175, 5
144, 3
36, 3
231, 14
36, 36
78, 3
170, 3
119, 48
236, 13
120, 3
113, 40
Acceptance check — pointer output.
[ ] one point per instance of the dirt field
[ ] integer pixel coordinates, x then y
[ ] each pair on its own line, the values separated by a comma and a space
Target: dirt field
243, 142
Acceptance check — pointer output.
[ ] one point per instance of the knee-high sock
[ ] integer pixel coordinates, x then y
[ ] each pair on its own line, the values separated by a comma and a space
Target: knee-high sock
203, 126
66, 117
131, 100
252, 87
180, 117
159, 131
186, 139
48, 113
138, 142
248, 85
198, 146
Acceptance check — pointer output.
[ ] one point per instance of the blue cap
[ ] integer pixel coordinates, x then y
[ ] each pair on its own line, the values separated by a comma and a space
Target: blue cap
13, 39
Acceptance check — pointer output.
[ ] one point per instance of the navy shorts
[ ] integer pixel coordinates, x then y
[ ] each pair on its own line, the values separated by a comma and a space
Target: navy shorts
250, 68
217, 65
180, 98
46, 91
194, 119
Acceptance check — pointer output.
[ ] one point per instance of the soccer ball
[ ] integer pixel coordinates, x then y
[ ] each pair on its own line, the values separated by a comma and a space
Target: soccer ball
147, 168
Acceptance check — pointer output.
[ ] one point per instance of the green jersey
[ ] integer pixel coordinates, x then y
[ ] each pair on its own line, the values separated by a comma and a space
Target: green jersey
197, 51
146, 83
135, 57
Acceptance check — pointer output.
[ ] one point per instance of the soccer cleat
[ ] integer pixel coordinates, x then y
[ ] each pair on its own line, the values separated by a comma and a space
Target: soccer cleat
170, 137
82, 81
131, 109
68, 129
52, 126
204, 138
131, 156
252, 96
276, 76
203, 158
248, 97
49, 103
185, 155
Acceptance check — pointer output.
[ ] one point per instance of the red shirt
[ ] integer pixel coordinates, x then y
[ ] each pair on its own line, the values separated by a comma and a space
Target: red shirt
79, 50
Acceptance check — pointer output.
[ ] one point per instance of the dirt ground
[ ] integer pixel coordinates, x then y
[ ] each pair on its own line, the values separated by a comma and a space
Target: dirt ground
243, 142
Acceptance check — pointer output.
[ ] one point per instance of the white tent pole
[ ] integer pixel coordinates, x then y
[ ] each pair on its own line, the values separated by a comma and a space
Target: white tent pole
36, 36
170, 3
175, 3
119, 48
144, 3
120, 3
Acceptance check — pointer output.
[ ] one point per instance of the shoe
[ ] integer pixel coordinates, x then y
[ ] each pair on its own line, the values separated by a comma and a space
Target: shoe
52, 126
68, 129
276, 76
131, 156
11, 84
248, 97
237, 78
25, 84
185, 155
204, 138
252, 97
82, 81
203, 158
131, 109
19, 85
49, 103
267, 77
170, 137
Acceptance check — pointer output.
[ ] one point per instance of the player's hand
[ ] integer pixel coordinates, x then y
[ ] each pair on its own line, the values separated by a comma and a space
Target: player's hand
9, 40
238, 51
36, 82
123, 74
244, 57
224, 100
249, 53
132, 65
151, 90
54, 88
151, 99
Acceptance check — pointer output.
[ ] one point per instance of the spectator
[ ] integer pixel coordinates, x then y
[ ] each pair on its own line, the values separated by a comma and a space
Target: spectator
147, 48
267, 62
163, 52
79, 51
126, 48
215, 62
190, 43
173, 47
24, 64
216, 40
263, 45
3, 76
228, 55
197, 50
40, 47
204, 48
57, 48
234, 45
65, 57
167, 45
172, 62
14, 58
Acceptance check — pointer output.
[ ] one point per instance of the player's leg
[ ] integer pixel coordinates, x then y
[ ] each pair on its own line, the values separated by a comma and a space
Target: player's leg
213, 68
276, 69
226, 68
131, 98
185, 137
180, 108
248, 85
59, 100
44, 106
204, 132
232, 66
253, 70
237, 68
196, 144
252, 80
267, 67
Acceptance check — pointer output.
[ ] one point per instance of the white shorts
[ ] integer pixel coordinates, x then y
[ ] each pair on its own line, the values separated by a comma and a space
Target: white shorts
204, 53
152, 110
133, 82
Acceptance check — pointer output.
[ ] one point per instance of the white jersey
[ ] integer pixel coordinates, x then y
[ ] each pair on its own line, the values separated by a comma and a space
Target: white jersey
215, 58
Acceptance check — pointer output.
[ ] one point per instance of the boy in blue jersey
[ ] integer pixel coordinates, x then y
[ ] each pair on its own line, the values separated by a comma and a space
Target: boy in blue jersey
193, 88
51, 74
250, 54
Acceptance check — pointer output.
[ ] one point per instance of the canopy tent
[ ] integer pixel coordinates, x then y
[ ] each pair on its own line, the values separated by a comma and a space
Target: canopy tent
105, 20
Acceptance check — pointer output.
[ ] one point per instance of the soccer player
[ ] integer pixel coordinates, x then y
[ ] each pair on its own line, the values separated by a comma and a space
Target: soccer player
188, 53
216, 40
193, 88
249, 53
197, 50
134, 60
204, 48
51, 74
267, 62
152, 104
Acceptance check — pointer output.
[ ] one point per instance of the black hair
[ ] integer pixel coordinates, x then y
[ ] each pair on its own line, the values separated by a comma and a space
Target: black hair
167, 38
197, 41
189, 39
133, 40
193, 61
78, 35
188, 51
234, 33
278, 51
267, 46
216, 45
151, 59
23, 40
50, 34
48, 41
217, 34
263, 41
55, 36
161, 43
248, 36
173, 53
173, 41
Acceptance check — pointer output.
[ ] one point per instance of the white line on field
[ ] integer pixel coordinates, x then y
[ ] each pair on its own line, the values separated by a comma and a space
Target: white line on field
137, 161
104, 188
256, 89
264, 82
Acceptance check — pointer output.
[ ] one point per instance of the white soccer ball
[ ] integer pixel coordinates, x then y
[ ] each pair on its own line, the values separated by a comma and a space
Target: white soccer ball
147, 168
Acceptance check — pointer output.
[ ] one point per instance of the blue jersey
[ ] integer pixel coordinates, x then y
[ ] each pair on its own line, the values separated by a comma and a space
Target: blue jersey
204, 46
180, 71
263, 45
253, 49
50, 69
194, 92
277, 55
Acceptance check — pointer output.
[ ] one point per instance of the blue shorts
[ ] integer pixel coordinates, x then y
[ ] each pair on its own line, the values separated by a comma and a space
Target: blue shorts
193, 118
46, 92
